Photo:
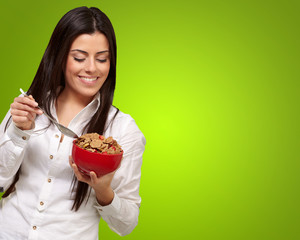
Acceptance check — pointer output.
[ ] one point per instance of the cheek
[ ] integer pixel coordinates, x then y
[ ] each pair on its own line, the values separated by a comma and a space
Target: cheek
70, 71
71, 67
106, 69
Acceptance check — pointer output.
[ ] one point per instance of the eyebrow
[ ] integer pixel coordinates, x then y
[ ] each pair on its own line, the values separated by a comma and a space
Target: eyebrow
84, 52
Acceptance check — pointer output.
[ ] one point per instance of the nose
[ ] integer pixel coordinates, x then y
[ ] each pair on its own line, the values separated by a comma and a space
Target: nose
90, 66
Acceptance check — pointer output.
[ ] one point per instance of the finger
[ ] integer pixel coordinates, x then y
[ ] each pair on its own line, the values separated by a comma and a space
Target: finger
19, 120
77, 173
23, 116
71, 160
27, 101
80, 177
24, 107
31, 97
33, 116
30, 116
94, 178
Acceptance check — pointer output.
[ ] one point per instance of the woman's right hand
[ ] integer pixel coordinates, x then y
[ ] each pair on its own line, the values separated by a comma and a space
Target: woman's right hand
24, 111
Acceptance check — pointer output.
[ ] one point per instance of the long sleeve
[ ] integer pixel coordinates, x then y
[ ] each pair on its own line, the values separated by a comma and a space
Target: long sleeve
122, 214
12, 143
44, 189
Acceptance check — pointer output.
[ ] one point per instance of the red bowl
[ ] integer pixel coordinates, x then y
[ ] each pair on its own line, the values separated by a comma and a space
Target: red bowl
100, 163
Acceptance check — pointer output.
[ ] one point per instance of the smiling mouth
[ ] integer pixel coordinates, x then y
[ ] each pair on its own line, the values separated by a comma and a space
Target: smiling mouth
88, 79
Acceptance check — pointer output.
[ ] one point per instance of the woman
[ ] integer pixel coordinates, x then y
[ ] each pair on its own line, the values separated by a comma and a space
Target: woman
75, 84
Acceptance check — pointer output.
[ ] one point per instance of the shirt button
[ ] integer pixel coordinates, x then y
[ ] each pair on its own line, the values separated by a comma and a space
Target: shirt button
51, 156
56, 135
34, 227
24, 138
41, 203
49, 180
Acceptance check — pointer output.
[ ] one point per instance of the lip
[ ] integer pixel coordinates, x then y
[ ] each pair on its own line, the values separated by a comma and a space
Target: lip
84, 79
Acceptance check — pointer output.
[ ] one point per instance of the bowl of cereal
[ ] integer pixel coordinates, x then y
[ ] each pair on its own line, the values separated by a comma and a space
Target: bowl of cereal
94, 152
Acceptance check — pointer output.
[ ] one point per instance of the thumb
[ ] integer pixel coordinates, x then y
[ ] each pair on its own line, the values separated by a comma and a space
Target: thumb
93, 177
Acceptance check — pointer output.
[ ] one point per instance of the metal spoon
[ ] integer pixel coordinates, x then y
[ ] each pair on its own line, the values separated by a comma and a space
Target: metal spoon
66, 131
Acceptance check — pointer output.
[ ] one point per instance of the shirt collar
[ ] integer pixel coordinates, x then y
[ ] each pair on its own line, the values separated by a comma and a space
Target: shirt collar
96, 99
85, 114
81, 119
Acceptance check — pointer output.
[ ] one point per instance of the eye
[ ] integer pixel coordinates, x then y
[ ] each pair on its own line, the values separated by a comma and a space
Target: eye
79, 59
102, 60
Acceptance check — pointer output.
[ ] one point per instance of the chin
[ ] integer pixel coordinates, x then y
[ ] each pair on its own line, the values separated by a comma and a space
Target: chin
88, 94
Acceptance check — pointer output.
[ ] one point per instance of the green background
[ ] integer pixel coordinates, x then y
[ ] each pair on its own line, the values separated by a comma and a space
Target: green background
214, 87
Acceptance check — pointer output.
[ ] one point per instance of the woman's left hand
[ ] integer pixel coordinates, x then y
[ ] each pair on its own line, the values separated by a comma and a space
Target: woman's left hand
101, 184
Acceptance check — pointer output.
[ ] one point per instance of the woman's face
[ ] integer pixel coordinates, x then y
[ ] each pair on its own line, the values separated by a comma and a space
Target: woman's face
87, 65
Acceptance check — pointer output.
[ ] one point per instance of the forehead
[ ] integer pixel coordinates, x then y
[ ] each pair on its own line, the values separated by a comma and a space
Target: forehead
91, 43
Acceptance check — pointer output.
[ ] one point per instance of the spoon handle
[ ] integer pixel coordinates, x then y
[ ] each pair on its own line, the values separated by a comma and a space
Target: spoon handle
50, 118
61, 128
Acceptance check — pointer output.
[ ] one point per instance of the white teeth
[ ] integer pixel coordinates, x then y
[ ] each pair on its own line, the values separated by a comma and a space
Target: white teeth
88, 79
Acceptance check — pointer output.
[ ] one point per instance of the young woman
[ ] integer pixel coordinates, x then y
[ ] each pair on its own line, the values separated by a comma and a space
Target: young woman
45, 195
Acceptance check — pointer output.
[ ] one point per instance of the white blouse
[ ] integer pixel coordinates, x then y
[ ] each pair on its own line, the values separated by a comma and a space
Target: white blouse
40, 208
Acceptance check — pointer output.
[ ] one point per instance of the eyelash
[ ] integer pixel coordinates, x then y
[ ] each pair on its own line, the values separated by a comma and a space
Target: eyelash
82, 59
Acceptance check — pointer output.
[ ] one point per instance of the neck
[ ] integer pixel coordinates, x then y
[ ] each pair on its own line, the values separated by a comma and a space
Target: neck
75, 100
68, 105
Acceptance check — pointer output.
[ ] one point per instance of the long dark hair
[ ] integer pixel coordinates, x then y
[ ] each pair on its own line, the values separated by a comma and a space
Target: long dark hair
50, 74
